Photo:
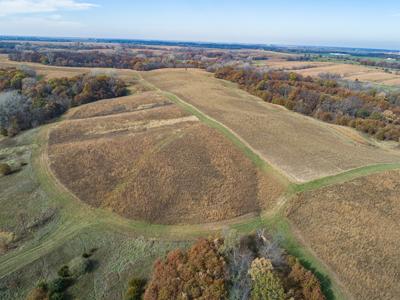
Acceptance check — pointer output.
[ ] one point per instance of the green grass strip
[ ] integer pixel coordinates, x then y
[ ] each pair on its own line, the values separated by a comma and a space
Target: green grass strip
343, 177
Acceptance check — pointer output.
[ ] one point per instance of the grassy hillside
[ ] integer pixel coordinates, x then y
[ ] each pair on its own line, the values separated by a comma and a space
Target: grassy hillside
184, 138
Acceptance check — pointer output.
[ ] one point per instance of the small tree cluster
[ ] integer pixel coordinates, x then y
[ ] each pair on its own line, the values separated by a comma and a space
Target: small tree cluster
5, 169
56, 289
310, 287
135, 289
258, 268
198, 273
266, 284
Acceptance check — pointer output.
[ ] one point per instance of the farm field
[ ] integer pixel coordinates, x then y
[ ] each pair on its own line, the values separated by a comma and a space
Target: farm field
300, 147
346, 71
154, 162
354, 227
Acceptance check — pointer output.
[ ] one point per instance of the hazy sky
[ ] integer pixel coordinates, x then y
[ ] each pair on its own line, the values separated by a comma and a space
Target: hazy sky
367, 23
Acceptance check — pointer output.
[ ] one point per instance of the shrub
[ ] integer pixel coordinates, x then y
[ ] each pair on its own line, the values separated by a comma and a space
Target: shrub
266, 285
90, 253
362, 113
57, 296
376, 116
343, 120
37, 294
3, 131
13, 130
279, 101
5, 169
325, 116
59, 285
380, 135
310, 286
42, 285
135, 289
64, 271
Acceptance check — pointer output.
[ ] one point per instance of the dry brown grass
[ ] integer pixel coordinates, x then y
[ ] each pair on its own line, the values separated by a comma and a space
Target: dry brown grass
301, 147
347, 71
98, 127
157, 164
136, 102
354, 227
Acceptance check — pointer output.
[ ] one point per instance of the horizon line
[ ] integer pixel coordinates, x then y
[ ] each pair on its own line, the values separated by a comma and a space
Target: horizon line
110, 39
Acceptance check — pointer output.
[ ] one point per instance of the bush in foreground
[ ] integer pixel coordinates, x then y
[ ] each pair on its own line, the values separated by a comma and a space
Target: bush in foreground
236, 267
266, 285
135, 289
309, 284
37, 293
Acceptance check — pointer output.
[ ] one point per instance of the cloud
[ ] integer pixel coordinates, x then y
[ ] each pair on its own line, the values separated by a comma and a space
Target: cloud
13, 7
39, 25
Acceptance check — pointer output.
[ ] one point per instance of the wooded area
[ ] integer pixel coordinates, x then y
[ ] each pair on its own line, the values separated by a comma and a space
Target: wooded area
26, 101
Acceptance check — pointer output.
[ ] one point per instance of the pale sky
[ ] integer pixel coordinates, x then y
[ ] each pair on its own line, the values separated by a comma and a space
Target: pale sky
353, 23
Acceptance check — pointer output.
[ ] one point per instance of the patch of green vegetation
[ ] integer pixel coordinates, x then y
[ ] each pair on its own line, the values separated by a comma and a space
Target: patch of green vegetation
343, 177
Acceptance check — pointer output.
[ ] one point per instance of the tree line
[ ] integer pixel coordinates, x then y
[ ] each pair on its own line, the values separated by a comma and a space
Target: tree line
142, 61
377, 114
26, 101
386, 64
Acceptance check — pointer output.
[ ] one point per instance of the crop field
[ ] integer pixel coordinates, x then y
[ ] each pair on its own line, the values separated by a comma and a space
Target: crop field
300, 147
347, 71
354, 227
150, 160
